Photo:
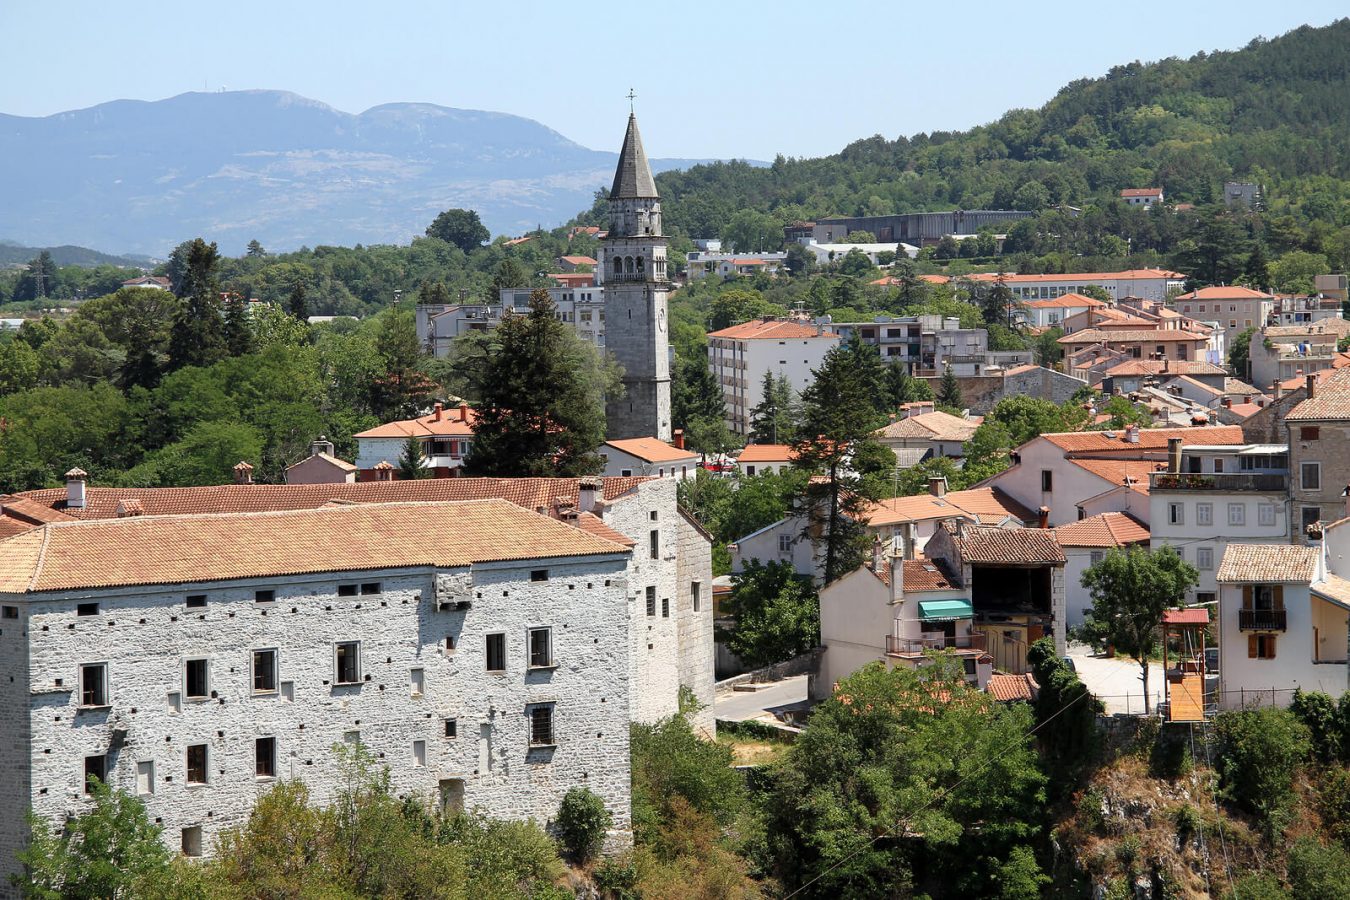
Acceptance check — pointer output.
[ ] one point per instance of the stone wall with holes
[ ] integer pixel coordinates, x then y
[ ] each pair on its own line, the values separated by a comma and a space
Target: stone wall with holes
146, 635
697, 647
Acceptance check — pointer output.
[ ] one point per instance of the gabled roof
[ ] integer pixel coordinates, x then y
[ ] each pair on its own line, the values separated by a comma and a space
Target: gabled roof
1141, 192
766, 453
633, 176
531, 493
933, 426
1007, 688
1067, 301
442, 423
1133, 336
991, 545
1233, 292
770, 329
1164, 367
1330, 400
1111, 529
921, 575
1324, 328
579, 260
333, 461
1115, 443
986, 505
186, 549
651, 450
1269, 563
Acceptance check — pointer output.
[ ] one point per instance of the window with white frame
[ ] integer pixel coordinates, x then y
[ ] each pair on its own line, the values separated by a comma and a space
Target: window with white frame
94, 684
1096, 556
541, 725
1265, 514
1237, 514
1176, 513
1204, 513
347, 662
785, 543
541, 648
1204, 558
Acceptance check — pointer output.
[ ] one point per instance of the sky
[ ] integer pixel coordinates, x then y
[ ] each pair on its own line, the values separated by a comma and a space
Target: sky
748, 80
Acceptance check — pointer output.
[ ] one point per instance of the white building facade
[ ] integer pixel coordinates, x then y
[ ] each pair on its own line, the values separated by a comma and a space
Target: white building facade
741, 355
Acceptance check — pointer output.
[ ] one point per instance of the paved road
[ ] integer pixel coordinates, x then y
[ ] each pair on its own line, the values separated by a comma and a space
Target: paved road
1118, 681
738, 706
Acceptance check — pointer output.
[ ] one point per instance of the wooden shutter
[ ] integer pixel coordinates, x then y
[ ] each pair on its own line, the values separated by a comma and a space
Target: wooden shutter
1271, 638
1252, 649
1246, 596
1277, 597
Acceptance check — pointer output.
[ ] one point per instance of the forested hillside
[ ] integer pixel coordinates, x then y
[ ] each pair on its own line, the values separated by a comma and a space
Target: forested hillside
1274, 112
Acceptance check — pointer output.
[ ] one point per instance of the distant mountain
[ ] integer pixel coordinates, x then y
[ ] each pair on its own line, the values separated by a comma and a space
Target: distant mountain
289, 171
66, 255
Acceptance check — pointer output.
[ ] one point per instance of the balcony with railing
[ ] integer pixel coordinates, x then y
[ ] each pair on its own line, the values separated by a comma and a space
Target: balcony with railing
1261, 620
898, 646
1262, 482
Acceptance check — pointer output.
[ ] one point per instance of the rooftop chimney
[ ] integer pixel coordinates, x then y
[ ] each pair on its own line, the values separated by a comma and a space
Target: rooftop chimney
128, 508
1311, 382
588, 495
937, 485
324, 446
1275, 388
1174, 455
384, 470
877, 554
243, 472
436, 412
1227, 402
911, 539
1132, 434
677, 438
897, 574
75, 479
1043, 517
464, 412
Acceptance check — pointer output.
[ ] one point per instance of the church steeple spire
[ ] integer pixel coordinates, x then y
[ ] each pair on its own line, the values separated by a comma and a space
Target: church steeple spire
633, 178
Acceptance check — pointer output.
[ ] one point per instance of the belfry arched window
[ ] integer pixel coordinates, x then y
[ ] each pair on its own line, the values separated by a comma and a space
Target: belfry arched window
618, 265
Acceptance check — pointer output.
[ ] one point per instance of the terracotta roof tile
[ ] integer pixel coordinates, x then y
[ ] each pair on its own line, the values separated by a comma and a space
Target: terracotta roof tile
762, 453
770, 329
1324, 327
1133, 336
10, 527
1115, 471
1141, 192
32, 511
935, 426
991, 545
1225, 293
1331, 399
1066, 301
1080, 277
1007, 688
650, 449
1111, 529
1097, 442
179, 549
1268, 563
531, 493
445, 423
921, 575
1165, 367
987, 505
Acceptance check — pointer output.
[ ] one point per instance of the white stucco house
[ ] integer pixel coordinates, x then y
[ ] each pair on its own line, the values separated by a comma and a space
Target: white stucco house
1086, 543
446, 437
648, 456
741, 355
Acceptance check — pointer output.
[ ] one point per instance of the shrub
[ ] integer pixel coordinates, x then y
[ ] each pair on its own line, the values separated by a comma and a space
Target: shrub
1317, 872
1259, 753
1318, 712
582, 823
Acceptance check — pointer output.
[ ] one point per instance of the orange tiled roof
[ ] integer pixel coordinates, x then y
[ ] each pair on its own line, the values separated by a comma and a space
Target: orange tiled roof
991, 545
1111, 529
1331, 399
987, 505
920, 575
579, 260
32, 511
770, 329
748, 262
1116, 471
1007, 688
1067, 301
1165, 367
1268, 563
1080, 277
10, 527
1133, 336
1141, 192
766, 453
187, 549
531, 493
650, 449
445, 423
1233, 292
593, 524
1081, 442
933, 426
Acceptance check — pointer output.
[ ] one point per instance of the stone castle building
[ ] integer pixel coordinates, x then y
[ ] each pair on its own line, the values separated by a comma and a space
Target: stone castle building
633, 255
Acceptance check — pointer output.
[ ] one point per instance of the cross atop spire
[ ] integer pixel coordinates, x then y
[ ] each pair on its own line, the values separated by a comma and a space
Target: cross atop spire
631, 95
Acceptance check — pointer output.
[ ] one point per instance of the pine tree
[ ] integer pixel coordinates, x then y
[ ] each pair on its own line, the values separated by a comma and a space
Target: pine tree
771, 421
198, 334
1257, 269
542, 409
255, 250
411, 464
902, 387
837, 419
296, 304
238, 329
949, 390
867, 361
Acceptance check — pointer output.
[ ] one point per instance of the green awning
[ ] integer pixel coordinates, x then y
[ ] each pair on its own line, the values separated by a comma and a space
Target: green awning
942, 610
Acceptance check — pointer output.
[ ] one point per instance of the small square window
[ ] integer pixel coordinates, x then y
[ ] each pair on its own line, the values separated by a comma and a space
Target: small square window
86, 609
449, 642
196, 680
539, 574
452, 728
264, 671
651, 601
192, 841
95, 767
196, 764
265, 757
348, 590
347, 658
370, 588
1309, 433
541, 726
541, 648
785, 543
195, 601
11, 612
496, 653
264, 596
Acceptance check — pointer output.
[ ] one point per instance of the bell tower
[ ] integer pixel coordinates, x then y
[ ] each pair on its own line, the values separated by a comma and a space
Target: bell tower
633, 257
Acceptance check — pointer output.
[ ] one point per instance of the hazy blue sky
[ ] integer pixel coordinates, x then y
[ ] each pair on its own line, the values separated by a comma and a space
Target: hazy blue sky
713, 80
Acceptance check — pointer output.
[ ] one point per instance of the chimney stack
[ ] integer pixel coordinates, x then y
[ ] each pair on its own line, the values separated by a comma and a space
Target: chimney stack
937, 486
436, 412
1043, 517
897, 574
384, 470
1311, 382
1275, 388
911, 540
1174, 455
1227, 402
243, 472
677, 438
75, 479
321, 446
588, 494
1132, 434
877, 557
464, 412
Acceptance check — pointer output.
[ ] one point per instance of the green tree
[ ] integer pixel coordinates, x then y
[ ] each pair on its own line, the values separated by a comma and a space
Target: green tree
508, 274
198, 336
856, 264
1317, 872
18, 367
38, 281
541, 412
695, 394
859, 237
949, 390
296, 305
1047, 347
777, 614
739, 305
772, 419
799, 261
582, 823
1260, 752
837, 415
1293, 273
902, 388
402, 389
460, 227
1256, 271
901, 767
1130, 590
749, 231
946, 248
1066, 714
412, 461
255, 250
238, 329
1239, 354
110, 850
